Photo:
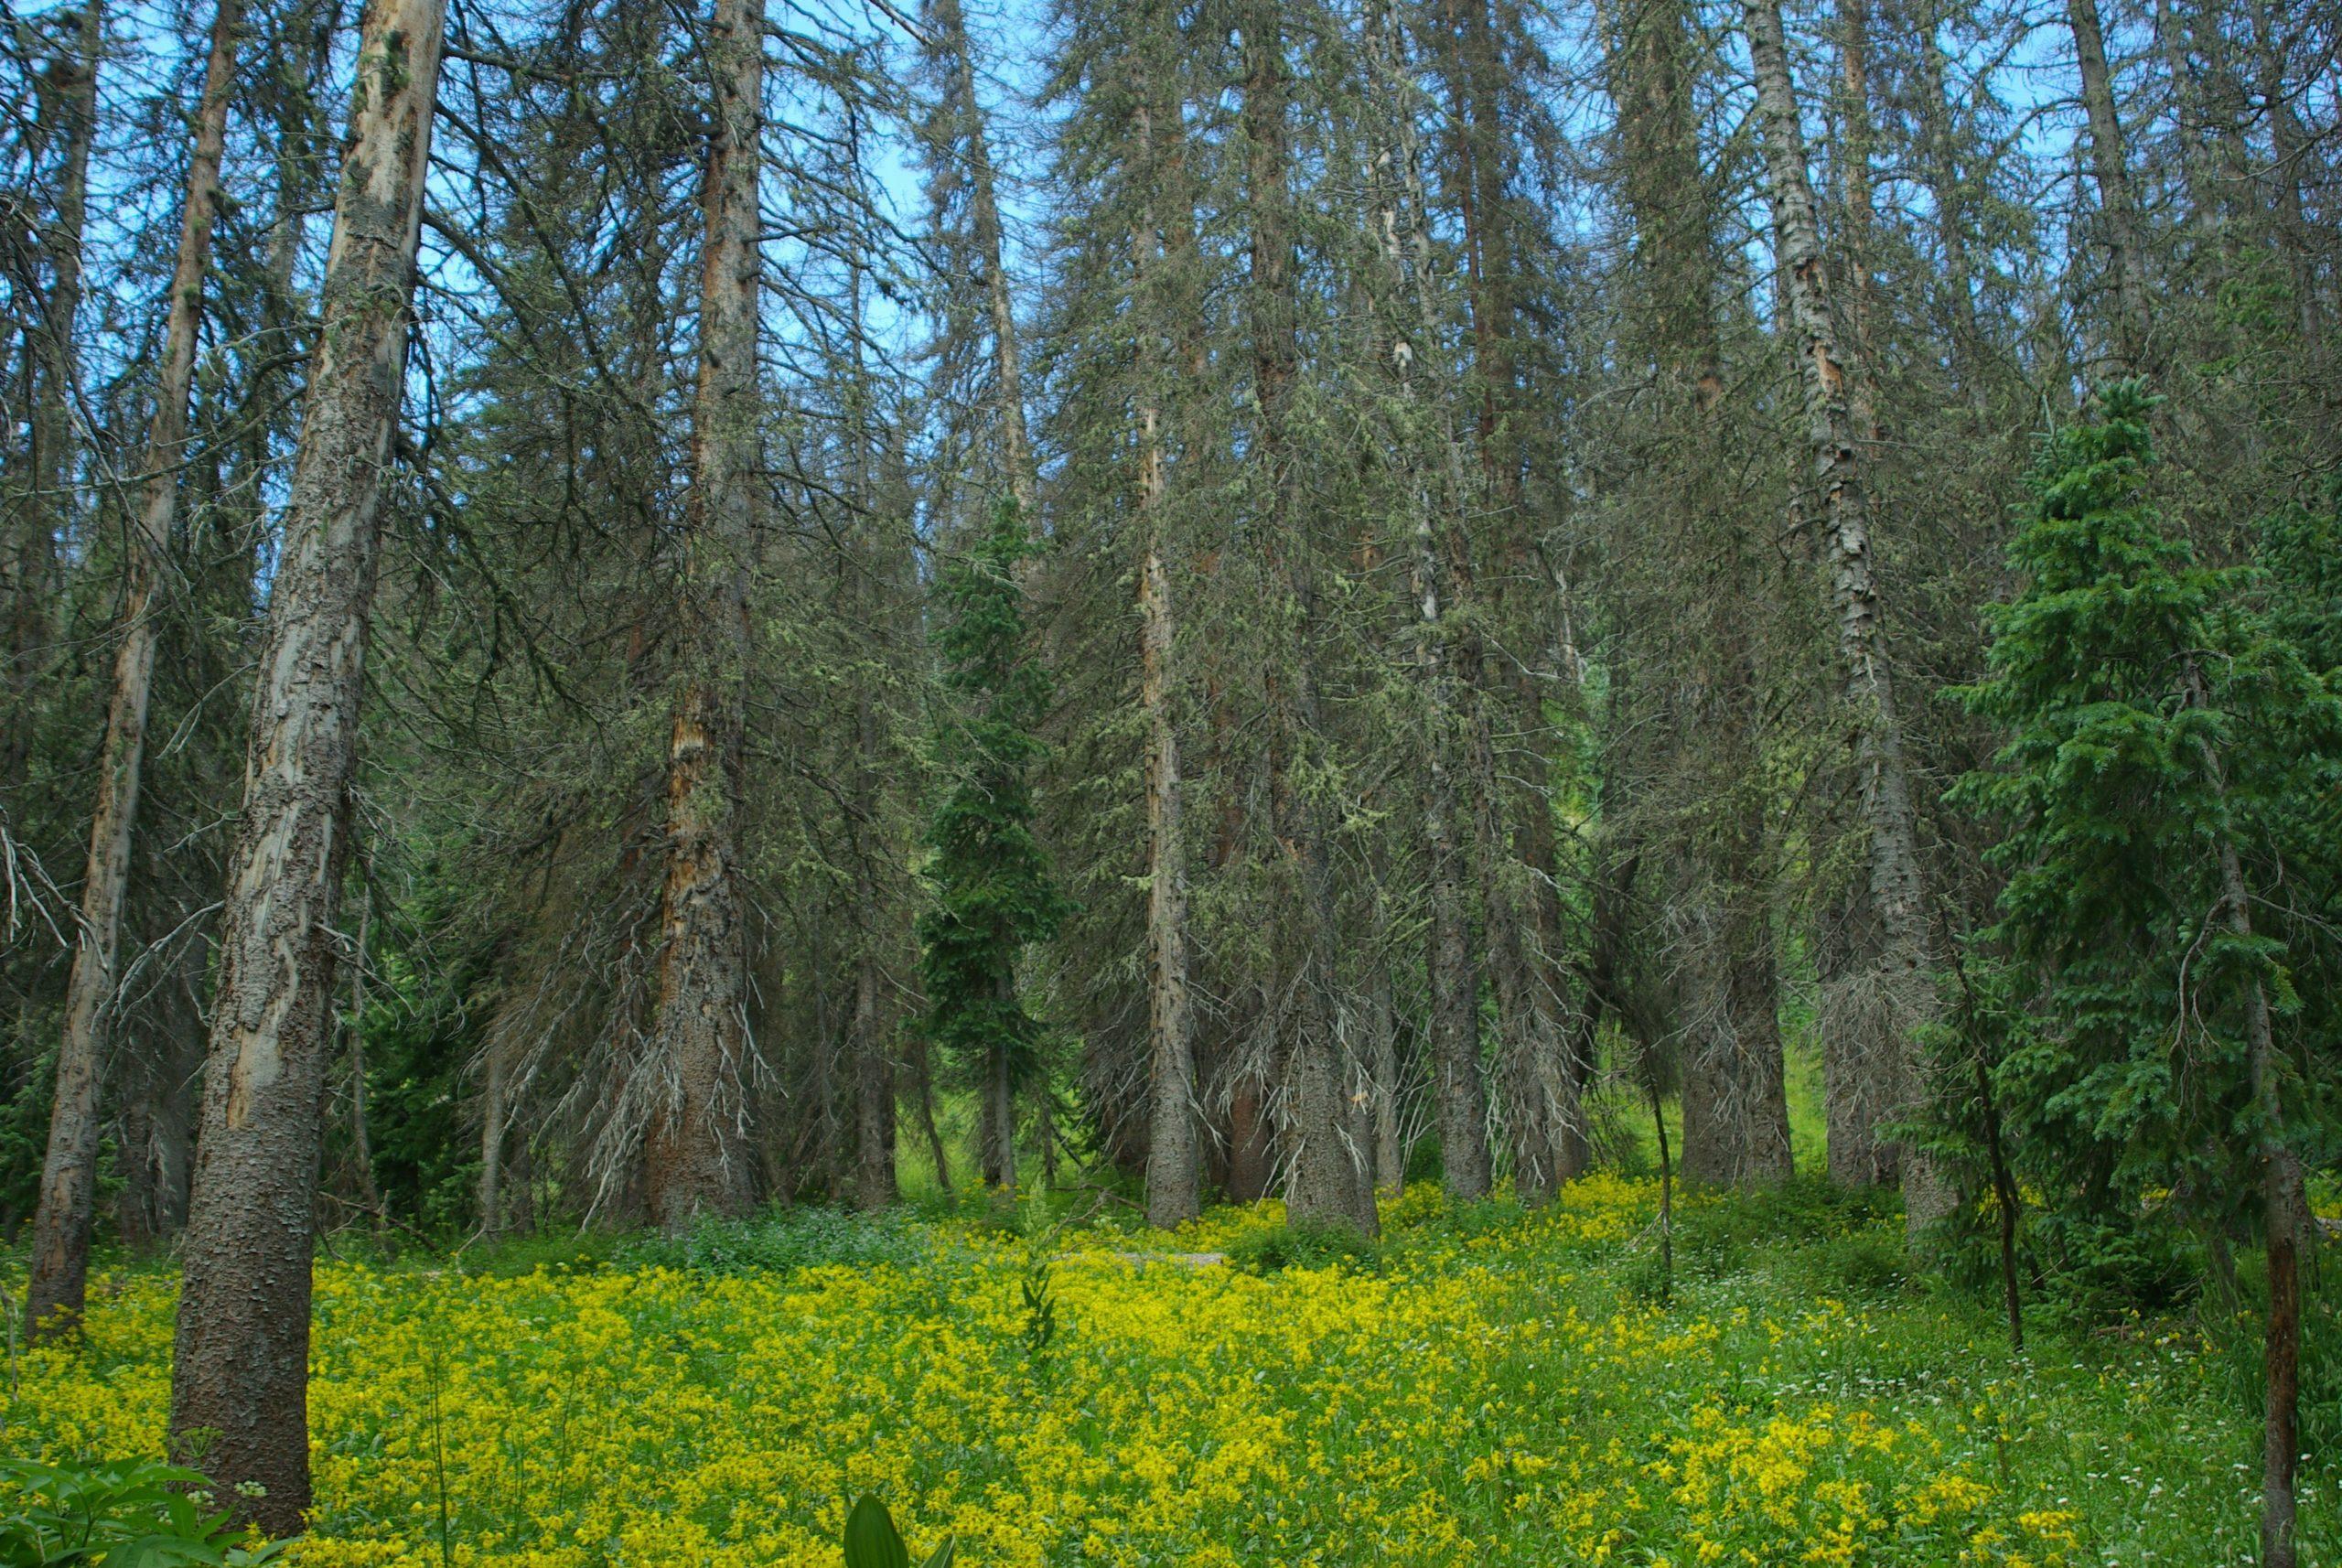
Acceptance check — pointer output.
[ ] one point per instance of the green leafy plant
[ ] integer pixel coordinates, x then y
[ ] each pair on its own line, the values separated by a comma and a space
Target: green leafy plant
1309, 1245
871, 1541
781, 1242
1040, 1301
123, 1513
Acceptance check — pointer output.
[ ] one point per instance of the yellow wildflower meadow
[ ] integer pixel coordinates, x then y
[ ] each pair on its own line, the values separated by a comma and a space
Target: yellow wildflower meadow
1476, 1400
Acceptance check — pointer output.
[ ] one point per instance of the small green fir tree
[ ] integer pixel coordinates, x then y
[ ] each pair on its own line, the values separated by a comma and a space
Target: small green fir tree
993, 893
2158, 723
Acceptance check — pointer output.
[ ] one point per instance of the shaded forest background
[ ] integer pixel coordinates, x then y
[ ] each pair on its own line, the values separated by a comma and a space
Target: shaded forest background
1417, 439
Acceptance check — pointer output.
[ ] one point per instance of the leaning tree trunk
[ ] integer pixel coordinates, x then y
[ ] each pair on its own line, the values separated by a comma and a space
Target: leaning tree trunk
1896, 891
240, 1369
60, 1253
693, 1154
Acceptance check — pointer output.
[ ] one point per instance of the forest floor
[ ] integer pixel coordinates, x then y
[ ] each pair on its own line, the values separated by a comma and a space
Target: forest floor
1486, 1386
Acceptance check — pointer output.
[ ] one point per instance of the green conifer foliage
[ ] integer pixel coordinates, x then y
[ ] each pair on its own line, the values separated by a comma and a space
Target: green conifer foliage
2155, 720
995, 894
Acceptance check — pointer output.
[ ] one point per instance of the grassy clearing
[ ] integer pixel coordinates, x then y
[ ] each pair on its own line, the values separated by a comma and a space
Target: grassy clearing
1486, 1386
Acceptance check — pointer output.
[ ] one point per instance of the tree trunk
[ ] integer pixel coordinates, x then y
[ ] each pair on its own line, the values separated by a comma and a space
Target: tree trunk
816, 1163
1896, 891
1734, 1107
1735, 1104
2285, 1198
2296, 235
1382, 1065
1476, 118
361, 1138
1252, 1146
875, 1185
1514, 871
492, 1117
157, 1131
1174, 1174
2119, 207
1323, 1175
999, 1121
60, 1249
874, 1089
1435, 493
923, 1065
1948, 194
1458, 1089
1859, 220
694, 1157
948, 28
240, 1368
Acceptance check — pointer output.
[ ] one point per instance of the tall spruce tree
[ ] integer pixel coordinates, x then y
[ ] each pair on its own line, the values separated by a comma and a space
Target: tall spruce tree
995, 895
2158, 730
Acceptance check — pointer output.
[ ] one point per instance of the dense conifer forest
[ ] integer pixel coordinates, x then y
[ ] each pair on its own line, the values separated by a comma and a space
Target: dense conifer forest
1183, 781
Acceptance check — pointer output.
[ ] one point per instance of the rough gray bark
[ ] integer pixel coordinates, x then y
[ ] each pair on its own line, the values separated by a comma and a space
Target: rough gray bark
1896, 891
240, 1368
1858, 218
693, 1149
1173, 1171
60, 1248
